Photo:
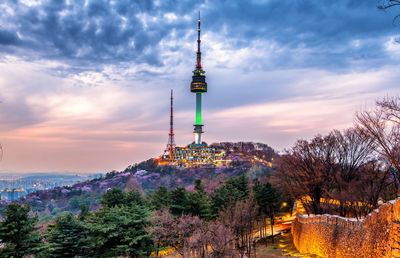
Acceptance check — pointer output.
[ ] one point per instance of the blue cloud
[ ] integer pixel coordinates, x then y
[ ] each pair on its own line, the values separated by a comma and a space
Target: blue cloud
8, 38
104, 32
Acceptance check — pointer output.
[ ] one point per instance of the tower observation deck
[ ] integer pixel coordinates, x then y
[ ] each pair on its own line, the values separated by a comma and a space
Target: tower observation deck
198, 86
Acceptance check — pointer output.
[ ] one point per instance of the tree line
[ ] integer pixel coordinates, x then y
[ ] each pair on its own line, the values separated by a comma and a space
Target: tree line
130, 224
347, 172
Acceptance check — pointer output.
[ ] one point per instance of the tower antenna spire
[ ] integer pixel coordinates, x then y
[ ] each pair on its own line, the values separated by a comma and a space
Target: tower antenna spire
198, 63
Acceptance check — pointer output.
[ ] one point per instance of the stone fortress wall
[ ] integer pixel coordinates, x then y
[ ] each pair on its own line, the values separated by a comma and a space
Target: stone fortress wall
377, 235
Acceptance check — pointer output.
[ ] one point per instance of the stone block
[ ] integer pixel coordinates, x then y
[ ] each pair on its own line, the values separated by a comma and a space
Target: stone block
395, 244
395, 252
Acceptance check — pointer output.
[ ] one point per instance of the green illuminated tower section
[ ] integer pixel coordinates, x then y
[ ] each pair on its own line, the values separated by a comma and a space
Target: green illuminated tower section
198, 86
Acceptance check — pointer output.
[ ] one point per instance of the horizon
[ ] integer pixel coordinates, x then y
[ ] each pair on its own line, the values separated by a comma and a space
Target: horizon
49, 173
86, 88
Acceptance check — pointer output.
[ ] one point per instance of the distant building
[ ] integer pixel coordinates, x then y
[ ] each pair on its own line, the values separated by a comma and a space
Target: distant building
12, 194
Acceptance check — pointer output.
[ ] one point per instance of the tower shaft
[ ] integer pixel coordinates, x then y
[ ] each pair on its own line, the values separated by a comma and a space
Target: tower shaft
198, 126
198, 109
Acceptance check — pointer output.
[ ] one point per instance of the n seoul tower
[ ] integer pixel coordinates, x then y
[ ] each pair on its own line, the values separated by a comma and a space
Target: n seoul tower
198, 86
196, 153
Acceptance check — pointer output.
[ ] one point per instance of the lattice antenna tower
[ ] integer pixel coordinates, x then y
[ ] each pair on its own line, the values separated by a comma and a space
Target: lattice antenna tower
171, 136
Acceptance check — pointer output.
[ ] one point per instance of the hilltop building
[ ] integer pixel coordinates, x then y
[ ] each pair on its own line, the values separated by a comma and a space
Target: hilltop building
197, 153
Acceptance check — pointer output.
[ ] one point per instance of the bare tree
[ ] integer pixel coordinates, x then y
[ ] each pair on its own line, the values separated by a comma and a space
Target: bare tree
382, 126
241, 218
389, 4
305, 171
184, 228
228, 236
385, 5
176, 232
391, 106
374, 182
351, 152
342, 169
220, 240
161, 228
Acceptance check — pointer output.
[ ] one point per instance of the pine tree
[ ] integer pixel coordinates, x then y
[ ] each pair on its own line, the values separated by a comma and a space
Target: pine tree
134, 198
220, 200
120, 231
233, 190
238, 187
67, 237
18, 233
179, 202
200, 203
113, 198
267, 199
160, 199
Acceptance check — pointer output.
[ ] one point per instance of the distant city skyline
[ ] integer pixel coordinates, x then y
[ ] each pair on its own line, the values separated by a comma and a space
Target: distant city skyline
86, 88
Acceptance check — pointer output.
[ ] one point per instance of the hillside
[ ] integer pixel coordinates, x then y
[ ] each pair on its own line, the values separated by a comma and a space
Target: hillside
254, 159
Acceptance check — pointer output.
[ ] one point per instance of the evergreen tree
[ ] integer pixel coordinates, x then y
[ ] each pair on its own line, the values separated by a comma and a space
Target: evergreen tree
267, 197
160, 199
200, 203
84, 211
180, 203
119, 231
116, 196
220, 199
134, 198
198, 186
238, 187
18, 233
113, 198
67, 237
233, 190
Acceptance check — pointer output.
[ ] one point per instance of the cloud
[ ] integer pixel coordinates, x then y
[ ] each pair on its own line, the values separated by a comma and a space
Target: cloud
8, 38
84, 85
49, 123
323, 101
293, 33
95, 31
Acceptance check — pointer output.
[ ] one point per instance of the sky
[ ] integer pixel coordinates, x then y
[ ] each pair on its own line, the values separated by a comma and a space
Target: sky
84, 84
